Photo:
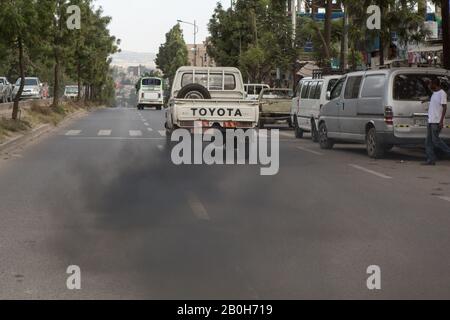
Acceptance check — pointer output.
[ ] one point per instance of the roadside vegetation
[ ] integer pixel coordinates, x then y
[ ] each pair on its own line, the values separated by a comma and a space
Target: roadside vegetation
35, 41
39, 114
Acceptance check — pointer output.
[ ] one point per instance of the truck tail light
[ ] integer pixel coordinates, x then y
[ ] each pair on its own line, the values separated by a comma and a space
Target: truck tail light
388, 115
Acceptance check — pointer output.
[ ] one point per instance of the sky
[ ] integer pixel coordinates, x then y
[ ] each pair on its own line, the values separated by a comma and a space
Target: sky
142, 24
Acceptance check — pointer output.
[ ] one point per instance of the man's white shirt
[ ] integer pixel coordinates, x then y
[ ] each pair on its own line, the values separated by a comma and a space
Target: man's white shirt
438, 99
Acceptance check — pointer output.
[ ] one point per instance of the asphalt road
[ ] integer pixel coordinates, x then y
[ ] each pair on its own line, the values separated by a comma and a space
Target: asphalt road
103, 194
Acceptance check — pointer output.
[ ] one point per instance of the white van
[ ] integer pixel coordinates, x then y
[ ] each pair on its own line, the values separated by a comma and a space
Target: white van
254, 90
150, 93
310, 96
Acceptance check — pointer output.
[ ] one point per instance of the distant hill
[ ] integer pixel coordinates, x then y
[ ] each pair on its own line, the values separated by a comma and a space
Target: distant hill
130, 58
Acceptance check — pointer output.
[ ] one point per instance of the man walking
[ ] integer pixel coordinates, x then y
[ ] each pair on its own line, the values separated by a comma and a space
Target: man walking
436, 118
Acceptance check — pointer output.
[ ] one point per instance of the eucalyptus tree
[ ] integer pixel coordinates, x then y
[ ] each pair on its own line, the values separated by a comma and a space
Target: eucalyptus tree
18, 20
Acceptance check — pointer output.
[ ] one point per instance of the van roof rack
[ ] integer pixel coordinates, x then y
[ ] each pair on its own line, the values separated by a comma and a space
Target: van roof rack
320, 73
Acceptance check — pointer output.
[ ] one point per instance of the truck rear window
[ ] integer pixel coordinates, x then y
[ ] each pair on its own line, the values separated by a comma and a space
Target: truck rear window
216, 81
415, 87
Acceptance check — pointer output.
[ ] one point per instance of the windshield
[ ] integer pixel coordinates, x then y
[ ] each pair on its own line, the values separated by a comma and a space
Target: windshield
415, 87
2, 81
28, 82
72, 90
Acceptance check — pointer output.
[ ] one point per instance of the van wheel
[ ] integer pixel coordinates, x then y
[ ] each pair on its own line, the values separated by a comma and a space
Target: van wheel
324, 141
314, 132
375, 147
194, 91
298, 132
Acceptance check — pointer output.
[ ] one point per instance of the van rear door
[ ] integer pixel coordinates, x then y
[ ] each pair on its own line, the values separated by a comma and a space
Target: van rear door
411, 95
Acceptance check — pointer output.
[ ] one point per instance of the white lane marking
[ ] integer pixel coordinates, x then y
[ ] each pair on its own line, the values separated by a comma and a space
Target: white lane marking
135, 133
310, 151
150, 129
380, 175
445, 198
73, 132
197, 207
162, 133
146, 124
104, 133
160, 147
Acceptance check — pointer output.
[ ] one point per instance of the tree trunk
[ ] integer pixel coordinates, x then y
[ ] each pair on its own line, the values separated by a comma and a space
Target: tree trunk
446, 33
56, 83
328, 18
15, 111
79, 80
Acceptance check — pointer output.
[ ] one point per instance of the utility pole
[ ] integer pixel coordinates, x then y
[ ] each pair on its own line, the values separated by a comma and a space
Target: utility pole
195, 38
344, 41
446, 32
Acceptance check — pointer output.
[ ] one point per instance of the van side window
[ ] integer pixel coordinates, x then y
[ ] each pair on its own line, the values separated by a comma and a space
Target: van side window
373, 86
312, 90
318, 90
337, 90
305, 90
352, 87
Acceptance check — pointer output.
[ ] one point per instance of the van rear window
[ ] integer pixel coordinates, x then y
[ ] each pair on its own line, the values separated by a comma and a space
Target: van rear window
415, 87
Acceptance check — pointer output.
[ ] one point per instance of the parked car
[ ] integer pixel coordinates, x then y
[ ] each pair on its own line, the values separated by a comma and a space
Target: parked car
275, 105
380, 108
310, 97
31, 90
6, 89
253, 90
150, 93
71, 92
213, 96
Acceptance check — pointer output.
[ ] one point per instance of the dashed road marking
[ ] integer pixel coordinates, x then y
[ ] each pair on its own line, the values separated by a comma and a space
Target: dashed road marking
146, 124
162, 133
160, 147
380, 175
197, 207
310, 151
150, 129
73, 132
104, 133
135, 133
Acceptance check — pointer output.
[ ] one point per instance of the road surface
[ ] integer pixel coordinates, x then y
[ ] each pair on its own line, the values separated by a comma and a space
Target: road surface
103, 194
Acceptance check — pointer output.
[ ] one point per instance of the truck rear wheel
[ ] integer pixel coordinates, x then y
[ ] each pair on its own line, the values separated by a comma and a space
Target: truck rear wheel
194, 91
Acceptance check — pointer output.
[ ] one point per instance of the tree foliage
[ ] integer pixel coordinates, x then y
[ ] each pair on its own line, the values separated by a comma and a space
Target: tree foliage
35, 41
173, 54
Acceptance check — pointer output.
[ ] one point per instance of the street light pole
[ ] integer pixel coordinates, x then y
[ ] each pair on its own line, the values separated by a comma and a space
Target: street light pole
446, 32
195, 38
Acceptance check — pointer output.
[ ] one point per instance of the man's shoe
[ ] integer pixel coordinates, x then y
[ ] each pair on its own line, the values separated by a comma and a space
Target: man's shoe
429, 163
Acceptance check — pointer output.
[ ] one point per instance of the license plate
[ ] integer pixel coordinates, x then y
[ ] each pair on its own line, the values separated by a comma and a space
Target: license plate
421, 122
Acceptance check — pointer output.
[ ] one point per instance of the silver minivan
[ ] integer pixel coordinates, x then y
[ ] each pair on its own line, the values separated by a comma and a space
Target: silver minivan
380, 108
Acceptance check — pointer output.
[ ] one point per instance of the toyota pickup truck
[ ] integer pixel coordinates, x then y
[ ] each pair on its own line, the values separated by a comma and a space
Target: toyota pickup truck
214, 97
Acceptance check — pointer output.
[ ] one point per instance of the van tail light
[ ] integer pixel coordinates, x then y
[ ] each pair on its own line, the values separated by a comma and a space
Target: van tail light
388, 115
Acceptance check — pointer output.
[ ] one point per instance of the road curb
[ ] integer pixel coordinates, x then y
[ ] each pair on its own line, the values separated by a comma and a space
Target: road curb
39, 131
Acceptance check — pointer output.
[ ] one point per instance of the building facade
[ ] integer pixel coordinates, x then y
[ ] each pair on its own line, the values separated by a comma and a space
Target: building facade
201, 59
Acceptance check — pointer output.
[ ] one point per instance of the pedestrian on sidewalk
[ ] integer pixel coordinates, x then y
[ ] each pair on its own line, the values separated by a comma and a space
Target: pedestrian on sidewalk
436, 117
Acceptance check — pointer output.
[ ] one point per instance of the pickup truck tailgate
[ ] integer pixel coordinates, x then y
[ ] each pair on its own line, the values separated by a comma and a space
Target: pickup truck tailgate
217, 110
